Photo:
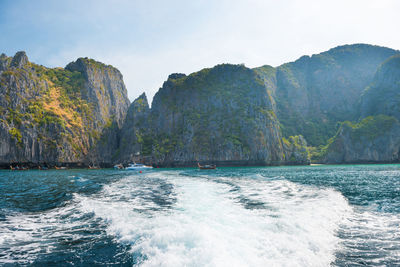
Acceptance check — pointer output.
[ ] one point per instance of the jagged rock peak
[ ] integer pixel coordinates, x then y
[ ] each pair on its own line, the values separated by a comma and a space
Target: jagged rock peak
4, 62
83, 63
19, 60
140, 103
142, 96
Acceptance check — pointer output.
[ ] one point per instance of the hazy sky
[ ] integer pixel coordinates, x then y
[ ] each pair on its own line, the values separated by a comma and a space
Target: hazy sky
147, 40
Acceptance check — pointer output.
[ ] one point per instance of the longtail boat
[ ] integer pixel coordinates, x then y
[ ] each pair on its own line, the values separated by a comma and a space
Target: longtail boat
206, 167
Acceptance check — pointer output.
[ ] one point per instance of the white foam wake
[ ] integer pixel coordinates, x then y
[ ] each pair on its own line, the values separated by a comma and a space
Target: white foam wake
24, 237
210, 224
371, 237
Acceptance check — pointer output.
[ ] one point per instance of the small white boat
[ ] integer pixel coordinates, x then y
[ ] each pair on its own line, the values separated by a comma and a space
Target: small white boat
118, 166
137, 166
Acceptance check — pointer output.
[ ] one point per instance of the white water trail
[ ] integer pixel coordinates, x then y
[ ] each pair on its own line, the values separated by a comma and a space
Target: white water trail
209, 225
24, 237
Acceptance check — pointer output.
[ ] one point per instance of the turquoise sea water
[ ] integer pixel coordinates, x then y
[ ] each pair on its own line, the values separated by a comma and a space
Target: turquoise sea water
273, 216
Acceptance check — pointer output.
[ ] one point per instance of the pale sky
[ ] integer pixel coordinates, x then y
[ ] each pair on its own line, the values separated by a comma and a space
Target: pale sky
148, 40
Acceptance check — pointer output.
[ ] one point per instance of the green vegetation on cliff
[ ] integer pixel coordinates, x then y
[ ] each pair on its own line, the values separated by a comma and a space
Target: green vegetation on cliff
220, 114
314, 93
51, 111
370, 127
224, 113
373, 139
367, 130
15, 133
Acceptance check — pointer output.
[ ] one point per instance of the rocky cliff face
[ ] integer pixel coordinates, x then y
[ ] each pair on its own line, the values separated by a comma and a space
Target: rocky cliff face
296, 151
106, 92
58, 115
136, 142
222, 115
377, 137
104, 89
218, 115
373, 140
314, 93
228, 114
382, 96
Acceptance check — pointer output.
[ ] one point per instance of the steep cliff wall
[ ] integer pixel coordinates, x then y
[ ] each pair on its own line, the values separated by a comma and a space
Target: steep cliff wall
207, 117
104, 88
106, 92
377, 137
221, 115
314, 93
136, 142
382, 96
58, 115
228, 114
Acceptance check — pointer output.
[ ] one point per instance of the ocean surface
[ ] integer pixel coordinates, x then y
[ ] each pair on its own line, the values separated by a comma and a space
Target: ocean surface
271, 216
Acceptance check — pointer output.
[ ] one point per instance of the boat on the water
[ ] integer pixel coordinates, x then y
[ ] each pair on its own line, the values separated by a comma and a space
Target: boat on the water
137, 166
206, 167
60, 168
118, 166
93, 167
19, 168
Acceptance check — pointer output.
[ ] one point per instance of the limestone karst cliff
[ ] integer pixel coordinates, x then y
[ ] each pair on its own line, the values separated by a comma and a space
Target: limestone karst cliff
376, 138
382, 96
58, 115
342, 105
222, 115
315, 92
136, 142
